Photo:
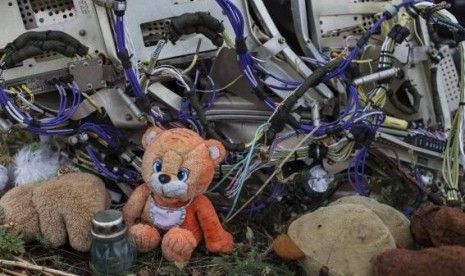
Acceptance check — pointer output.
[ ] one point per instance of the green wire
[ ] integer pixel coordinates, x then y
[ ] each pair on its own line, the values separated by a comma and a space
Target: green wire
234, 168
246, 168
451, 163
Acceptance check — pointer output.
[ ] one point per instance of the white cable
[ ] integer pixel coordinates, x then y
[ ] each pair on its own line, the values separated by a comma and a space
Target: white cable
131, 48
172, 73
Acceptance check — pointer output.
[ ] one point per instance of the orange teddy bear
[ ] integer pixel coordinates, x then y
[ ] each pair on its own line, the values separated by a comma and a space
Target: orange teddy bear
177, 167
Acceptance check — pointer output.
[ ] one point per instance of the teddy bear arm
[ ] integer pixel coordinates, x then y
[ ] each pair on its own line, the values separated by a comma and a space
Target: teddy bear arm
217, 240
135, 205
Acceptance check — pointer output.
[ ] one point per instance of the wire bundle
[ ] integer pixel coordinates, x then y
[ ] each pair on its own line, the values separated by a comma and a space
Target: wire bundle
111, 140
46, 126
356, 168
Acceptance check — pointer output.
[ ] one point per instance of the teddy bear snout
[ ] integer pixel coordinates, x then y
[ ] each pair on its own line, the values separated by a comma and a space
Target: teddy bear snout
168, 186
164, 178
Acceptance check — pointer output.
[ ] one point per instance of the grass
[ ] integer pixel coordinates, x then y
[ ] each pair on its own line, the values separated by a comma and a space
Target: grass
253, 234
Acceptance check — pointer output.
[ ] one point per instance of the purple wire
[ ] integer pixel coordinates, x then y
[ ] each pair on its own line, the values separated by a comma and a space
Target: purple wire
295, 84
59, 119
99, 165
101, 133
121, 46
278, 189
210, 102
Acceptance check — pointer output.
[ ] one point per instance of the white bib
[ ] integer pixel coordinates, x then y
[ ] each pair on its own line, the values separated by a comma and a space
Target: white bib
166, 218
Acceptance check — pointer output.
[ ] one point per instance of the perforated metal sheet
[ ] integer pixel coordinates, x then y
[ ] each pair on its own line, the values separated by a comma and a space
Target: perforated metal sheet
77, 18
448, 79
38, 13
140, 24
337, 20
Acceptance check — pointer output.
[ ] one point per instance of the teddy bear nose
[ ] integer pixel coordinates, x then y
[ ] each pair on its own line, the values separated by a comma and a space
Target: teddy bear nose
164, 178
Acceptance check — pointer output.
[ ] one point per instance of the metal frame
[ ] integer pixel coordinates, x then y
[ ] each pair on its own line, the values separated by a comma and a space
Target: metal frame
85, 26
288, 53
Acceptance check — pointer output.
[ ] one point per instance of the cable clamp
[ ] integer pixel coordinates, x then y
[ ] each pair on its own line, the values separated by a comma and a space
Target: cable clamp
390, 11
119, 7
125, 59
241, 46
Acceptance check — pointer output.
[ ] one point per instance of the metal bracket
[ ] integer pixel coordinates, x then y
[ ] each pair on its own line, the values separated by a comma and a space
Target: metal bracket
299, 14
88, 74
289, 54
272, 47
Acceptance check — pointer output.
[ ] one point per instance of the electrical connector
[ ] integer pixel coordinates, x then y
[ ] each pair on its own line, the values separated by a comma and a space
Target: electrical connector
390, 10
131, 104
119, 7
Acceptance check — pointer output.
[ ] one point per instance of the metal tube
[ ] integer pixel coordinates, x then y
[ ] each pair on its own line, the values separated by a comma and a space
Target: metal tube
381, 75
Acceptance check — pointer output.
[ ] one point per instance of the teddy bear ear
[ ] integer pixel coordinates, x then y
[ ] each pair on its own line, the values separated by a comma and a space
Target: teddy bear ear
217, 151
149, 135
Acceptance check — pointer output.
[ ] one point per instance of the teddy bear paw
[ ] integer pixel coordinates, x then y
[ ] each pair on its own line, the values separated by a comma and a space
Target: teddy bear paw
146, 237
223, 243
178, 245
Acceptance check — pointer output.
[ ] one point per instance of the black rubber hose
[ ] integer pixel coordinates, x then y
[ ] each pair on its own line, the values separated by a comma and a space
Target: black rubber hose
36, 48
28, 37
199, 22
209, 127
18, 56
55, 46
279, 119
436, 102
409, 89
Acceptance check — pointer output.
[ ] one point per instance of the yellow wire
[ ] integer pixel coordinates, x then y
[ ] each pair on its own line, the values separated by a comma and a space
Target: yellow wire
92, 102
192, 65
360, 25
100, 140
224, 88
248, 145
227, 39
12, 89
84, 158
362, 61
29, 92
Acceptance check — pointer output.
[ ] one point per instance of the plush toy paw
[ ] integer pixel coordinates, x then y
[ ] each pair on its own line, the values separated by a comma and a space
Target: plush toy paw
146, 237
222, 244
444, 260
178, 244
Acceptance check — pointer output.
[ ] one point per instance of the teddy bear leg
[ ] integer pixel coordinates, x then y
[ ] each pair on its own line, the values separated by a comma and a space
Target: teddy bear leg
146, 237
52, 226
178, 244
79, 231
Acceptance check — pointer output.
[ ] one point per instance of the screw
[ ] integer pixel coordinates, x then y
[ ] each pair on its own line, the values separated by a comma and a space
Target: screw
85, 64
128, 117
89, 85
72, 67
282, 40
143, 119
82, 32
73, 140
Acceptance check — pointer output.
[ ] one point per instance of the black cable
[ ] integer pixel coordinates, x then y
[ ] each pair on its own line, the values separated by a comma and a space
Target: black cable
436, 102
209, 127
31, 44
199, 22
281, 116
408, 88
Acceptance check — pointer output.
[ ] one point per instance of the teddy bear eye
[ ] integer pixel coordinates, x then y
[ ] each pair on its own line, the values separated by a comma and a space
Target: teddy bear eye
157, 166
183, 174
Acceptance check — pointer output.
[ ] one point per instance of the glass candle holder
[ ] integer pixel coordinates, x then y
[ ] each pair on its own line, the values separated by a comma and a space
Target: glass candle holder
113, 250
